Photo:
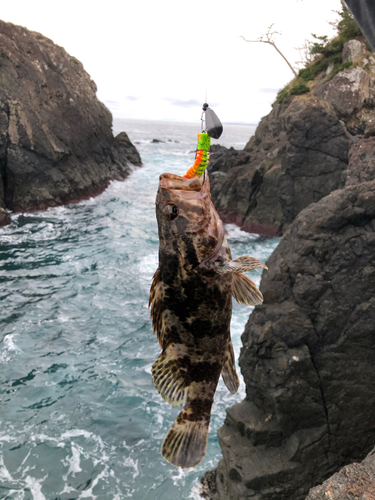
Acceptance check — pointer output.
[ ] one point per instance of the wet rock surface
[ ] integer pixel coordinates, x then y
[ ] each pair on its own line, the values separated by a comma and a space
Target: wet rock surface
56, 141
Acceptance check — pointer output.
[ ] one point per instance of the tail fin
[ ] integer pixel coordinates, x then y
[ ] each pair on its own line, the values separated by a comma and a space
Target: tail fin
185, 444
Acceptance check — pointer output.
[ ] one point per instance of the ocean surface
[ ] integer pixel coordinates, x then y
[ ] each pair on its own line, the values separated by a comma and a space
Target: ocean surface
79, 414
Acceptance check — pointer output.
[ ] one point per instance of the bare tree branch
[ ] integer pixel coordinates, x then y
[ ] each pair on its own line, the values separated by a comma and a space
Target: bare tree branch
304, 53
269, 39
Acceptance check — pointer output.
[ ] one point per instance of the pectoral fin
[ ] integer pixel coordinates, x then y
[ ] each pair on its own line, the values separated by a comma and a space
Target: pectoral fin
245, 291
240, 265
229, 372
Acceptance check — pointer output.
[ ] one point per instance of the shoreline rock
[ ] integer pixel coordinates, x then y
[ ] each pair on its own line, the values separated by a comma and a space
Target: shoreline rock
298, 155
300, 150
308, 351
56, 140
307, 356
355, 481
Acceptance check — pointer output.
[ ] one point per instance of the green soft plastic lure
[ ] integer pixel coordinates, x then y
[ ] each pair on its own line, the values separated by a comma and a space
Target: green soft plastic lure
211, 122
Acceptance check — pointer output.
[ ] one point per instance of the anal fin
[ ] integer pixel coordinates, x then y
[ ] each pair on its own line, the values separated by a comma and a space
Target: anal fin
168, 378
185, 444
245, 291
229, 372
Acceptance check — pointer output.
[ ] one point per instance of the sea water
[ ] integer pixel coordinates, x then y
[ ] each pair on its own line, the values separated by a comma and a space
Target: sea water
79, 414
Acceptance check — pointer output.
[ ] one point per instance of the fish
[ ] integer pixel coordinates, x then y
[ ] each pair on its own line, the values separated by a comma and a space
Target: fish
191, 309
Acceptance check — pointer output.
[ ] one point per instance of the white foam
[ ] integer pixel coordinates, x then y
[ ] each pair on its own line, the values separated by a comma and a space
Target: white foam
75, 433
129, 462
195, 493
67, 489
179, 476
4, 473
24, 460
147, 267
233, 232
9, 348
88, 493
16, 495
74, 461
35, 487
7, 438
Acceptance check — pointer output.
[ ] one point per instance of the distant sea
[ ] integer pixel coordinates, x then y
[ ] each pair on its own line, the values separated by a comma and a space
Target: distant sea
79, 414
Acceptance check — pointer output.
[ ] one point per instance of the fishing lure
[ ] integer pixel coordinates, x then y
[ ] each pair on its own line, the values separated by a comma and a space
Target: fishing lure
211, 122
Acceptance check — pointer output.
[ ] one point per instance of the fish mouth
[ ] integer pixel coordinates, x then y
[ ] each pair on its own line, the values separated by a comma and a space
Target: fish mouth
172, 186
173, 181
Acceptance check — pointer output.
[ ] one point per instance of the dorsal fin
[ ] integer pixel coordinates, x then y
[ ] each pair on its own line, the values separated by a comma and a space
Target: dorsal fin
245, 291
229, 372
157, 306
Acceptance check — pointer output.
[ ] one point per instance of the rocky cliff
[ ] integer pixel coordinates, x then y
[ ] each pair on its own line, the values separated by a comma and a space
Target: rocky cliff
300, 151
308, 352
56, 141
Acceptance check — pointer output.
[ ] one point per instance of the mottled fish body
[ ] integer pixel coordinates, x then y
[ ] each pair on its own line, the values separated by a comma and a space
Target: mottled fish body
191, 309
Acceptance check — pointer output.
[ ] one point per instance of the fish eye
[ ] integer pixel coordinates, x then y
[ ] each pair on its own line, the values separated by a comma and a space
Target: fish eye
171, 210
174, 211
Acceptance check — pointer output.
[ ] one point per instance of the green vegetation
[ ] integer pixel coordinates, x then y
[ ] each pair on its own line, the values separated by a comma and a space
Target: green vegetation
347, 26
299, 88
73, 59
326, 52
282, 95
336, 69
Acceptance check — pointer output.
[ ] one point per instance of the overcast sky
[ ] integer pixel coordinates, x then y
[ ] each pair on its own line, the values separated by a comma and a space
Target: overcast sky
158, 59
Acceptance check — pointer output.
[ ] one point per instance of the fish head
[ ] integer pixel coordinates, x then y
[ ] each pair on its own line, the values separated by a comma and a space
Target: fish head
188, 223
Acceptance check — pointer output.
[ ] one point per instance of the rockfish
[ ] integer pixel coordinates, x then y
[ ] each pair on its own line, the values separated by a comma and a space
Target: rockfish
191, 309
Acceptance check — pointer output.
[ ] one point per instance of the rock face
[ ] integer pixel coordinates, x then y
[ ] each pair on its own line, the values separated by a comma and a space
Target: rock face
351, 96
361, 162
308, 352
56, 141
299, 152
353, 51
356, 481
